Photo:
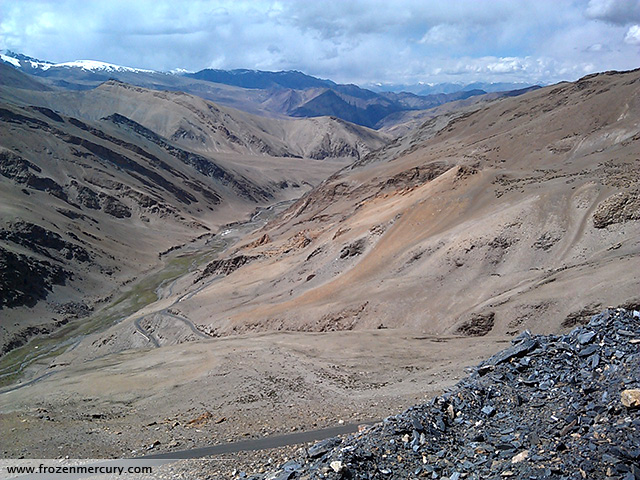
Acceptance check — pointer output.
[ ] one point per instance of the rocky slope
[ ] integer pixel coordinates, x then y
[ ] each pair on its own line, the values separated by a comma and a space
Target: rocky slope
520, 214
205, 127
401, 123
548, 407
97, 184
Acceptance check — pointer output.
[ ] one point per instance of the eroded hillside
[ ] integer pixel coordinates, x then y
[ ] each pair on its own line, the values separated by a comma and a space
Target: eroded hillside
381, 284
520, 214
99, 186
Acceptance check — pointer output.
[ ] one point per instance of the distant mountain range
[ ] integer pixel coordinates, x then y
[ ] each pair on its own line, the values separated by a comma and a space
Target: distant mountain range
435, 88
275, 94
260, 79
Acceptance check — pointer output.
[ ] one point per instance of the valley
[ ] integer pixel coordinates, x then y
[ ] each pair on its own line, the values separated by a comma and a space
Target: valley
68, 181
190, 274
482, 224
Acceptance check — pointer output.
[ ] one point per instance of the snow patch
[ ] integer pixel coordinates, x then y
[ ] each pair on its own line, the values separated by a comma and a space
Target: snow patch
94, 65
42, 66
10, 60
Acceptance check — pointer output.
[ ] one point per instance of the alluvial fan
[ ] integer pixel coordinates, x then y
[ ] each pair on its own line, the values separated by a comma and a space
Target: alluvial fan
556, 407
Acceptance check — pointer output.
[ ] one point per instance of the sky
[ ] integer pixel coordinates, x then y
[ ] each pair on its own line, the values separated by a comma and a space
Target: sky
348, 41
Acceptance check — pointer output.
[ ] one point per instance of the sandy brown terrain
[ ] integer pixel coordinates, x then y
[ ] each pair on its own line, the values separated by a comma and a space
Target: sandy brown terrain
205, 127
369, 293
99, 185
212, 391
523, 214
401, 123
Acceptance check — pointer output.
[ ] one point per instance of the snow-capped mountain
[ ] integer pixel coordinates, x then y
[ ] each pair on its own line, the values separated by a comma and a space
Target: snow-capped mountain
94, 66
23, 62
30, 64
289, 93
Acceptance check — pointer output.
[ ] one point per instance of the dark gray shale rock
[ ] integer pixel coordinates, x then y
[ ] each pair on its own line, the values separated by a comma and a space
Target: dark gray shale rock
549, 407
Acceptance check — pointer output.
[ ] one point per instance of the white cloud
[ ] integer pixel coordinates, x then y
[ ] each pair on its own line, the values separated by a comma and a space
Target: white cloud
597, 47
360, 41
633, 35
442, 34
620, 12
507, 65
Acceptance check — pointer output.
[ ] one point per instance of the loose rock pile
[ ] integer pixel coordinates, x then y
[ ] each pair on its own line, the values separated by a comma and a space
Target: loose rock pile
548, 407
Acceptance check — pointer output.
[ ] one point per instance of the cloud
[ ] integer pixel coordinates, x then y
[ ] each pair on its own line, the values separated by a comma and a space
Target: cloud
359, 41
527, 66
618, 12
597, 47
633, 35
507, 65
442, 34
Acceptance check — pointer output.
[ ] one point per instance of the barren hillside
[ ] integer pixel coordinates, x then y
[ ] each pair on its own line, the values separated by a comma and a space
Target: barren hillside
521, 214
205, 127
99, 186
372, 291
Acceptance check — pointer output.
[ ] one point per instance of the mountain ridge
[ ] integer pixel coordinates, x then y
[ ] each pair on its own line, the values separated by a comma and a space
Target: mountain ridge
489, 196
155, 170
284, 93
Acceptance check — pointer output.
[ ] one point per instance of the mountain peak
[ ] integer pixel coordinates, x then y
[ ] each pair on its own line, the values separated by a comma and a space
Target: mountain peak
19, 60
94, 65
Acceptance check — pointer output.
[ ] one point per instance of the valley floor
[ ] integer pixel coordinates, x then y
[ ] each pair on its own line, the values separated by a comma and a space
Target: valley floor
219, 390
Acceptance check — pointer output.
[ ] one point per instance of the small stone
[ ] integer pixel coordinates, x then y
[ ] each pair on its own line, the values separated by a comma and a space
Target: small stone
153, 445
585, 352
520, 457
586, 337
451, 412
488, 410
291, 466
630, 398
322, 447
283, 476
336, 466
518, 350
417, 424
546, 385
439, 423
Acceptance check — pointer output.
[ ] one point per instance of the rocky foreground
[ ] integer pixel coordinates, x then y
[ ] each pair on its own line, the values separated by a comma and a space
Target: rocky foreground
565, 407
